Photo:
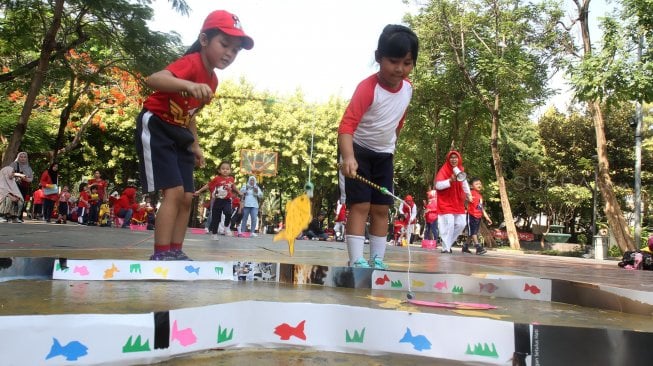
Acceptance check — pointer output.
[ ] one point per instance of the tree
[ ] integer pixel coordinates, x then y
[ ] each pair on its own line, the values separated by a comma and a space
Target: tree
603, 78
498, 48
59, 26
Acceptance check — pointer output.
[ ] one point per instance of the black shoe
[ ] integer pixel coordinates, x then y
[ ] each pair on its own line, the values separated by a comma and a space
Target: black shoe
480, 250
466, 249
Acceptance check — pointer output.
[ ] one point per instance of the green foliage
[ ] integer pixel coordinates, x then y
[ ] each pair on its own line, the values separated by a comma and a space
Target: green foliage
615, 252
244, 119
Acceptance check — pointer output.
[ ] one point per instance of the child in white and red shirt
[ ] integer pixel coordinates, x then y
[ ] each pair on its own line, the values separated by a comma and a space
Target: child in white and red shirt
366, 141
64, 198
222, 188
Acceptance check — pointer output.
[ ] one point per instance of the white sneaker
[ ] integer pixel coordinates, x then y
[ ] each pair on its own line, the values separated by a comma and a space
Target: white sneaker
215, 237
254, 235
228, 233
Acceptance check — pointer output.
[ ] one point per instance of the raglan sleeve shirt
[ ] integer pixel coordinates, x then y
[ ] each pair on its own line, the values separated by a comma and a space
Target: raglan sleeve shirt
375, 114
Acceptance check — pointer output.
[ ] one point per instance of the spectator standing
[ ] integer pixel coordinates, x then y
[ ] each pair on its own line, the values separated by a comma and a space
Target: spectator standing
49, 180
452, 192
222, 188
476, 212
83, 204
64, 198
100, 184
252, 194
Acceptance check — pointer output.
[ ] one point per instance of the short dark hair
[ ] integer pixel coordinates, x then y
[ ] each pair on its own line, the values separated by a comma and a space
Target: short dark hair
197, 46
475, 179
82, 185
396, 41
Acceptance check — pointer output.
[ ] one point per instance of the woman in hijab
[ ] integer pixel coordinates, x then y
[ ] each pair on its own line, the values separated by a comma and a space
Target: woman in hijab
24, 178
452, 189
11, 200
251, 194
48, 181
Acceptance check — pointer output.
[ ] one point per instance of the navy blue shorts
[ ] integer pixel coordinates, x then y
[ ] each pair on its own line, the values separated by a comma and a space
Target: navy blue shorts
375, 167
474, 224
164, 154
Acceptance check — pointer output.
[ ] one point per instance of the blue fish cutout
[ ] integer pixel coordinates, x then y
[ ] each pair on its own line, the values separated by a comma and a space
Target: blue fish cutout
191, 269
419, 342
72, 351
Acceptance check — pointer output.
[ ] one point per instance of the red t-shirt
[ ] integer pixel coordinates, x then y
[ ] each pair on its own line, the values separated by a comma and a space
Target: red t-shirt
84, 198
475, 208
431, 209
172, 107
221, 187
342, 214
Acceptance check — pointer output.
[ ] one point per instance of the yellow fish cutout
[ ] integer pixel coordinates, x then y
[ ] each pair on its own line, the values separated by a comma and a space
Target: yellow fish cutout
298, 216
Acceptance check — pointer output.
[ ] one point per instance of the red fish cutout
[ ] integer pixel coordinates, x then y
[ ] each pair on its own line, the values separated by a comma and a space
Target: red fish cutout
532, 289
382, 280
285, 331
487, 287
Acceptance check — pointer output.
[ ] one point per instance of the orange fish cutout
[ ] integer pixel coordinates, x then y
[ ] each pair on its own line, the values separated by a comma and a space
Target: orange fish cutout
298, 216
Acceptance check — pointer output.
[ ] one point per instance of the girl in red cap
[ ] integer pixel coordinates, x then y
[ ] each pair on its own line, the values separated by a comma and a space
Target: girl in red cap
166, 133
452, 192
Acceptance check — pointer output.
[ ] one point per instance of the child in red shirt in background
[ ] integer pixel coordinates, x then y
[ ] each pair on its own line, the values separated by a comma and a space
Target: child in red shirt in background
37, 209
399, 225
83, 204
340, 221
431, 216
64, 198
475, 212
125, 206
222, 188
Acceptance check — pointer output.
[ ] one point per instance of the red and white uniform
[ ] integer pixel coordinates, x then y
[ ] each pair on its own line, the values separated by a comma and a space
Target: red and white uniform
375, 114
221, 187
452, 216
172, 107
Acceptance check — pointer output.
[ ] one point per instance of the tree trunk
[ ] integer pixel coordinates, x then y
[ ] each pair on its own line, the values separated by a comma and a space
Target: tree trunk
48, 46
511, 230
612, 210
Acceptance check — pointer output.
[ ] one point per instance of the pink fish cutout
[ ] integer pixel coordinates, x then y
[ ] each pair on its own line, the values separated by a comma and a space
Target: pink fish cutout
185, 337
82, 270
382, 280
487, 287
532, 289
285, 331
441, 285
108, 273
453, 305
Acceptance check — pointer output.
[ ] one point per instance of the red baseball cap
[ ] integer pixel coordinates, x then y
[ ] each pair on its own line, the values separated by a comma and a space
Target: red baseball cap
229, 24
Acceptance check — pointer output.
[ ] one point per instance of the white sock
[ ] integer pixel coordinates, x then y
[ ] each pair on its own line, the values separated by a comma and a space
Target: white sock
355, 245
377, 247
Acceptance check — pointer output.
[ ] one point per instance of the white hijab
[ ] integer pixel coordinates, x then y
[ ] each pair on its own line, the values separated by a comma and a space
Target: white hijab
24, 168
8, 183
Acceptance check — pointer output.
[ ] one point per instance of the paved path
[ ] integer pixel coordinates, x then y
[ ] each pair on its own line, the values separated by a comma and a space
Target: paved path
35, 240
